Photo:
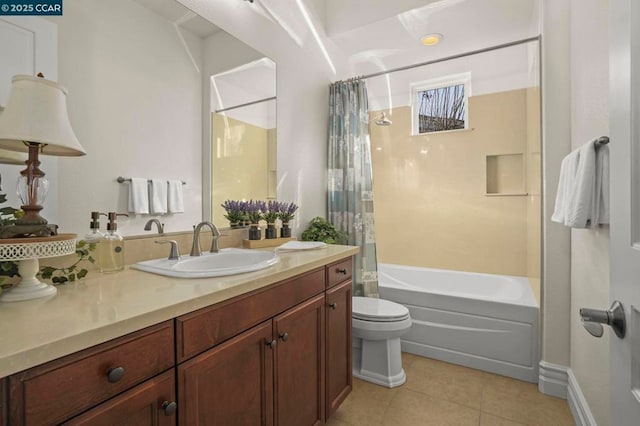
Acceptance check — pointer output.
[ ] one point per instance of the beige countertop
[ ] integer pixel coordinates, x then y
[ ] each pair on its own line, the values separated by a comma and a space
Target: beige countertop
105, 306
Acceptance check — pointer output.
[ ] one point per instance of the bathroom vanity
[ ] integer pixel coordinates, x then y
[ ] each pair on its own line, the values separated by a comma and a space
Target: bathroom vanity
271, 347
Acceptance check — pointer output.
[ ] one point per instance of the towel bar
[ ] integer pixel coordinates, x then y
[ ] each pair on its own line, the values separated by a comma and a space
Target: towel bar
121, 179
602, 140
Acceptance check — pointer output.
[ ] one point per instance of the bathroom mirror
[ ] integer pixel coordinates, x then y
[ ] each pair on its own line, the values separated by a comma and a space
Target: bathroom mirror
141, 101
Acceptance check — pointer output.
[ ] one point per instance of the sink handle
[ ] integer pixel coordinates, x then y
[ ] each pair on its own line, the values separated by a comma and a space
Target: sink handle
174, 254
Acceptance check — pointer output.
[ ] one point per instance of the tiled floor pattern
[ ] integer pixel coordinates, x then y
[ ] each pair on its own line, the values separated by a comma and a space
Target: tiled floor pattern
437, 393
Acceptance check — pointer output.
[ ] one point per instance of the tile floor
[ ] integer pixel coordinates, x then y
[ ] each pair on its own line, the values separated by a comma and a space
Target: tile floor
438, 393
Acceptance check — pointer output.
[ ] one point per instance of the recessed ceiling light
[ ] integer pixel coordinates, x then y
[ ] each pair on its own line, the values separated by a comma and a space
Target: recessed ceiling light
431, 39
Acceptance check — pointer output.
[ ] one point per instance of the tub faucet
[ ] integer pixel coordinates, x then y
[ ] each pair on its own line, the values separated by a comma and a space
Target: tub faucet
195, 248
160, 226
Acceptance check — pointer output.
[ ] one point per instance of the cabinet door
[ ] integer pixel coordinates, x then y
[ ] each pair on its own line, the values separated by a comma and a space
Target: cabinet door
150, 403
339, 345
231, 384
299, 364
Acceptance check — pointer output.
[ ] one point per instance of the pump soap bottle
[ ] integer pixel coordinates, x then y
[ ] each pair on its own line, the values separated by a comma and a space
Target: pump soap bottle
94, 236
112, 250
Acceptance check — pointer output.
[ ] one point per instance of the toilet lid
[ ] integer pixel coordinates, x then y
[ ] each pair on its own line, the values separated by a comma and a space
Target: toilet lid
372, 309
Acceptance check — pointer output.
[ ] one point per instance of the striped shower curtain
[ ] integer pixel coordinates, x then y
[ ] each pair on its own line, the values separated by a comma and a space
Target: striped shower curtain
350, 178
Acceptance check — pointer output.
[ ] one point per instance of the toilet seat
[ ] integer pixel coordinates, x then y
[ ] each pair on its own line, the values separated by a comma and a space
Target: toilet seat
378, 310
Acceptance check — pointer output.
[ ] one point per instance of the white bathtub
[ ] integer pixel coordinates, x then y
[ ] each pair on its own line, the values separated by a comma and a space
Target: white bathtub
483, 321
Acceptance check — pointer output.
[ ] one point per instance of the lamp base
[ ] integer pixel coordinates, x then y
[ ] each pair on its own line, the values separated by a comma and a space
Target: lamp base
21, 231
29, 286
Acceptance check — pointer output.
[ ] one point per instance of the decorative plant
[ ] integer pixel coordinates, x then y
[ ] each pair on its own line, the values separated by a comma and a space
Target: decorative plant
9, 268
272, 212
70, 273
235, 211
320, 229
286, 212
255, 210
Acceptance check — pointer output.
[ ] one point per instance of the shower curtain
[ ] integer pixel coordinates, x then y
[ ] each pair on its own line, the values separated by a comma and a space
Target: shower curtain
350, 179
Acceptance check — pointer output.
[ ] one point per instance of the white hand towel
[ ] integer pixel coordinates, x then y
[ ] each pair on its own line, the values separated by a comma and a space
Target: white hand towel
139, 196
175, 201
300, 245
601, 199
158, 196
565, 185
580, 205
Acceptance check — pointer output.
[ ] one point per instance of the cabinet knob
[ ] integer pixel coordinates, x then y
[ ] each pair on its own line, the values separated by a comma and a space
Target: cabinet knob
342, 271
114, 374
284, 336
272, 344
169, 408
333, 306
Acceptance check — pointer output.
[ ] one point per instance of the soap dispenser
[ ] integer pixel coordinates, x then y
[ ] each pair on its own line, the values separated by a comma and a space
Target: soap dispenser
112, 246
94, 235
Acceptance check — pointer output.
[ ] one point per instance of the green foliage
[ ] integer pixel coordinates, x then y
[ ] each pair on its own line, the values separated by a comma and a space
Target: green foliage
8, 215
321, 230
73, 272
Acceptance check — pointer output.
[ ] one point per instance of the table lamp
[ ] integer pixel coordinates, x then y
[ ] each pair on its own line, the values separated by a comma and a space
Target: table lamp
35, 120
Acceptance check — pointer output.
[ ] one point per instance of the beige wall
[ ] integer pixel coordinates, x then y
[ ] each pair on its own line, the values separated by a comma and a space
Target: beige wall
590, 248
431, 204
239, 163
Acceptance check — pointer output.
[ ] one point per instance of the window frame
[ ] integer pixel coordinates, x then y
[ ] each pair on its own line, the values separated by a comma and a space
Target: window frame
439, 83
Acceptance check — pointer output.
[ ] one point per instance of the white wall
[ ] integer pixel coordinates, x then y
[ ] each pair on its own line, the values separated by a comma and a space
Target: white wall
556, 137
590, 248
134, 102
302, 83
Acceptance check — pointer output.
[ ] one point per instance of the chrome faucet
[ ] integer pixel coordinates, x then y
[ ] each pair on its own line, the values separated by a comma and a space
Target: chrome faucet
195, 248
174, 254
160, 226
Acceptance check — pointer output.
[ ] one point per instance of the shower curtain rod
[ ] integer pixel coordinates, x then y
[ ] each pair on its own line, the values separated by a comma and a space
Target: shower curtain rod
244, 105
448, 58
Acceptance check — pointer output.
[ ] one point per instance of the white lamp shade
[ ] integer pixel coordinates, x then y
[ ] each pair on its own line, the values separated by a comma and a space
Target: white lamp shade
12, 157
37, 112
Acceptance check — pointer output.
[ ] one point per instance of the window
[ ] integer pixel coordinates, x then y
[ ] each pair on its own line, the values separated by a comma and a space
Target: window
441, 105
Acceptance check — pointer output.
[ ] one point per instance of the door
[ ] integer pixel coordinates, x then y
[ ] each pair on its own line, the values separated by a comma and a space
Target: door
150, 403
231, 384
299, 364
28, 45
625, 206
339, 345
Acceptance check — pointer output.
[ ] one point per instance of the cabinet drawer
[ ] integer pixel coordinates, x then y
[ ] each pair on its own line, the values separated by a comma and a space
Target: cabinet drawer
56, 391
339, 272
203, 329
150, 403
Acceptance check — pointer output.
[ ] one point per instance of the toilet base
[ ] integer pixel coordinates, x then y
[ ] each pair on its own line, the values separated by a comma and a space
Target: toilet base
379, 362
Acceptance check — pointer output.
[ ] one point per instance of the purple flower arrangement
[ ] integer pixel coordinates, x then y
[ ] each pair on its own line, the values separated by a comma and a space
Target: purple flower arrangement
252, 211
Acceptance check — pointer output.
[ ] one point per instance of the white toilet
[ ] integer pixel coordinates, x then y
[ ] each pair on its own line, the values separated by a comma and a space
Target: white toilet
377, 327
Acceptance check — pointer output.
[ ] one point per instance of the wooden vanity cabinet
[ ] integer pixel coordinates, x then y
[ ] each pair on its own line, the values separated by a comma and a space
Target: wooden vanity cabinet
278, 356
54, 392
338, 334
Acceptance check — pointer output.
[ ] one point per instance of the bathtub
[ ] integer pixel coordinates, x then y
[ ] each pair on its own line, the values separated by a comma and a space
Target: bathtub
483, 321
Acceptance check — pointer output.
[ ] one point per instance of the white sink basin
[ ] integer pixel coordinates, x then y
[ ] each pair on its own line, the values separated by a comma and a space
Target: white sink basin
229, 261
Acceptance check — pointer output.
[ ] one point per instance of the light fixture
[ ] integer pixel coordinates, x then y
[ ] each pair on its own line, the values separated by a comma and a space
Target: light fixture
35, 120
432, 39
383, 120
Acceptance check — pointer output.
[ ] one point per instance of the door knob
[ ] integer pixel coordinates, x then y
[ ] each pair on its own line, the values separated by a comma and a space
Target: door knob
592, 320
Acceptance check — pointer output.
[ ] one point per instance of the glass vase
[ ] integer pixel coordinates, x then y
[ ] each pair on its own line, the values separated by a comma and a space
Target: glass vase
254, 232
285, 231
271, 233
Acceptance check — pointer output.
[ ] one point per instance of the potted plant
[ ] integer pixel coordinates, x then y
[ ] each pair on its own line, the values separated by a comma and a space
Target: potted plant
235, 212
254, 211
270, 216
286, 213
320, 229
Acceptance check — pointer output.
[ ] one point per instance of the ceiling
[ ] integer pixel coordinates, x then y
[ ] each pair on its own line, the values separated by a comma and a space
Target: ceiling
394, 41
175, 12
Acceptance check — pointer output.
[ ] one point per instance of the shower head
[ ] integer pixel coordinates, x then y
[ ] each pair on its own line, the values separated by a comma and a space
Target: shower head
383, 120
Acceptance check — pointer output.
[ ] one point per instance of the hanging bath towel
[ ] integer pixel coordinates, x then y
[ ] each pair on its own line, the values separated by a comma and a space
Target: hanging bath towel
139, 196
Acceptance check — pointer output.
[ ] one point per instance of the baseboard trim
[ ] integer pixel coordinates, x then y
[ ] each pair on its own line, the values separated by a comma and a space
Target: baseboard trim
553, 379
578, 403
